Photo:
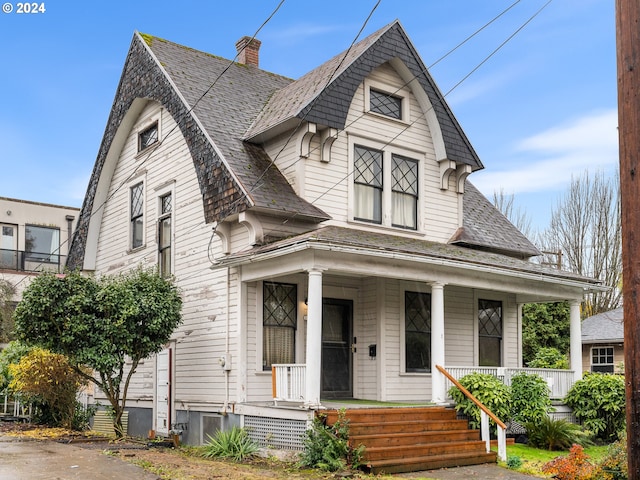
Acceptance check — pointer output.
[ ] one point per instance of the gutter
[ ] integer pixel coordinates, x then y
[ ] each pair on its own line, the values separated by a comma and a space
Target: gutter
250, 258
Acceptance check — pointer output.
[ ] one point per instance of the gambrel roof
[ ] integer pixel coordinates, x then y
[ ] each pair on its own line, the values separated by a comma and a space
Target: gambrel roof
224, 109
323, 96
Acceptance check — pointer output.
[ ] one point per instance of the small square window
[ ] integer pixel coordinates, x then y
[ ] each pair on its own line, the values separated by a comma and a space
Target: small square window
148, 137
385, 104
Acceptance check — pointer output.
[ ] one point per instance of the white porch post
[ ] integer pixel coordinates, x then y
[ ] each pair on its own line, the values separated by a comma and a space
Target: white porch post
438, 393
314, 338
575, 342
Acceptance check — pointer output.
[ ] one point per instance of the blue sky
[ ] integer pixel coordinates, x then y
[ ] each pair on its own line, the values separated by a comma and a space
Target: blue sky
541, 109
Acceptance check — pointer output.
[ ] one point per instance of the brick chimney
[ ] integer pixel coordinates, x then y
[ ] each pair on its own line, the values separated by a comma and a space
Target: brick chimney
248, 51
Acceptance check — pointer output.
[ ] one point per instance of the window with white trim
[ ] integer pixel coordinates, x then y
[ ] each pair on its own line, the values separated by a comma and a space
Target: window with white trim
602, 359
417, 331
279, 322
164, 235
136, 209
385, 104
148, 137
382, 198
490, 333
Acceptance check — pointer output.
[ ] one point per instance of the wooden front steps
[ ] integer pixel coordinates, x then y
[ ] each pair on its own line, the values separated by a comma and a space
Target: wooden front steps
410, 439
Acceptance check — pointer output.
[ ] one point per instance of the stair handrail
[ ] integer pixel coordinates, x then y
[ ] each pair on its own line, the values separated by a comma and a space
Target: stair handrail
484, 413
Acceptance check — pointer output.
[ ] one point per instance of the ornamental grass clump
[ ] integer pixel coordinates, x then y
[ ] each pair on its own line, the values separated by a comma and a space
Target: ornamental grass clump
552, 434
234, 444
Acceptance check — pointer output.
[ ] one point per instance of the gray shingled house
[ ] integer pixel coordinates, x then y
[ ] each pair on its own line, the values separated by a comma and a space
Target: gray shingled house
603, 342
324, 234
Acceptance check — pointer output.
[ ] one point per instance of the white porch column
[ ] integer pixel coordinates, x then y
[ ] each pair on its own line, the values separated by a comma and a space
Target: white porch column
438, 394
314, 338
575, 342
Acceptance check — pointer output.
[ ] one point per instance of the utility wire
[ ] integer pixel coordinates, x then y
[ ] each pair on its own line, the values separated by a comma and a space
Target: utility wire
157, 144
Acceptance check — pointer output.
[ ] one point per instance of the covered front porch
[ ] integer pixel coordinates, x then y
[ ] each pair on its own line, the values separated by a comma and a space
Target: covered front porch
369, 316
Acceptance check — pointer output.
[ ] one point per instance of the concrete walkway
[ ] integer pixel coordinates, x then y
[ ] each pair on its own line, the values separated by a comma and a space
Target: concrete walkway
36, 460
22, 459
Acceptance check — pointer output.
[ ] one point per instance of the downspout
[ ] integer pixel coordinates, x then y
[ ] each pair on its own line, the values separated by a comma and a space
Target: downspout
227, 371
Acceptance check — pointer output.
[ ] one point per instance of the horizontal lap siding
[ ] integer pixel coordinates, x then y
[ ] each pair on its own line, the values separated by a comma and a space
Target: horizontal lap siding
459, 312
201, 338
366, 330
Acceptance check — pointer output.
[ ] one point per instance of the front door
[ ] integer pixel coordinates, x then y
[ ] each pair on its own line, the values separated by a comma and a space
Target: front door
163, 392
337, 360
8, 246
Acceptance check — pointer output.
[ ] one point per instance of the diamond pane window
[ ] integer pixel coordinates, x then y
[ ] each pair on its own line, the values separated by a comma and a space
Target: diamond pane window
490, 332
137, 224
279, 317
164, 236
417, 327
368, 185
404, 176
148, 137
385, 104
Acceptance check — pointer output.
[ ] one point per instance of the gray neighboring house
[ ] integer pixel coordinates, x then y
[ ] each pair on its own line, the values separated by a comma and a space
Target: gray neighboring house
603, 342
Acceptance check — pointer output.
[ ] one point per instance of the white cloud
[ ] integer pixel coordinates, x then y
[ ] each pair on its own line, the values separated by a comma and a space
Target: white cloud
547, 161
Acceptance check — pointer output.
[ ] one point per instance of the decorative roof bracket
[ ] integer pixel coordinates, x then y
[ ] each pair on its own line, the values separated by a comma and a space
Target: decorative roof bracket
327, 137
305, 139
462, 172
447, 168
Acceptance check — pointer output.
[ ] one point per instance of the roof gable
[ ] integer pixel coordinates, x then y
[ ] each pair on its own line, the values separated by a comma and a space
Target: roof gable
323, 96
604, 327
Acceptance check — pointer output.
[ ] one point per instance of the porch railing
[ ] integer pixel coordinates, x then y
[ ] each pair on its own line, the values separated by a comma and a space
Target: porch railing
485, 415
559, 381
288, 382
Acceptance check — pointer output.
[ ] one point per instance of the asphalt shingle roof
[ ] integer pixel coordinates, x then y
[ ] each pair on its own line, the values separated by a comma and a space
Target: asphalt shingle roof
484, 226
604, 327
235, 93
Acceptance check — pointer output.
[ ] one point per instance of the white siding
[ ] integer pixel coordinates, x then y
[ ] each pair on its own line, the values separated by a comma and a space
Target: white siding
201, 338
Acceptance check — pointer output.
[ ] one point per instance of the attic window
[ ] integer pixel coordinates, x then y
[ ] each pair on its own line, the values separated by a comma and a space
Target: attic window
385, 104
148, 137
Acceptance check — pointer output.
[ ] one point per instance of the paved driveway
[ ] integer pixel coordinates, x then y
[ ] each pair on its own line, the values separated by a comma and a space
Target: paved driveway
32, 460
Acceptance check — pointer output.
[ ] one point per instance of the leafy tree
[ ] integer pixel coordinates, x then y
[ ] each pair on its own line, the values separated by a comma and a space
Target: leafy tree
544, 325
7, 290
47, 379
549, 357
108, 325
585, 227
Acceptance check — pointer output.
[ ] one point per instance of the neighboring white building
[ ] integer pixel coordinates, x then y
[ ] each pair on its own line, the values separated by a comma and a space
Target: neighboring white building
34, 237
325, 223
603, 342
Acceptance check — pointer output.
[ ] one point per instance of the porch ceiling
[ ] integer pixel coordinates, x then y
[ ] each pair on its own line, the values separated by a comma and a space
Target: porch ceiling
351, 252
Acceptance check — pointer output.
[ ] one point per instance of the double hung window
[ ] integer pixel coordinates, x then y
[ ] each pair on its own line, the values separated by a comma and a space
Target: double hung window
137, 215
385, 198
490, 333
417, 331
164, 235
279, 320
602, 359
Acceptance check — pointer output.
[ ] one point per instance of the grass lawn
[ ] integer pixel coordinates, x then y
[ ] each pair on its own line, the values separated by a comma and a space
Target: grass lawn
534, 458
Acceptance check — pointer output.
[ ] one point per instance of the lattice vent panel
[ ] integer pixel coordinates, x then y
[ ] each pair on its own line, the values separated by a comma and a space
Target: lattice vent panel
276, 432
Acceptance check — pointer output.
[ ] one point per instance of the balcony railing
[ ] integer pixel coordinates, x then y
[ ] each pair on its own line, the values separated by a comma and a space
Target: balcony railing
288, 382
559, 381
22, 261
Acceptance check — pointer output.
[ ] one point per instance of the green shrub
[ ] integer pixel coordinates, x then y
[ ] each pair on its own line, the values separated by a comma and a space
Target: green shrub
514, 462
598, 401
234, 444
11, 354
614, 466
327, 447
529, 397
489, 390
549, 357
553, 434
